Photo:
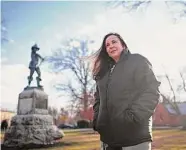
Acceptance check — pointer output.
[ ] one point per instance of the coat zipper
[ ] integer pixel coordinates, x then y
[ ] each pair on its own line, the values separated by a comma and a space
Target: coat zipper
108, 82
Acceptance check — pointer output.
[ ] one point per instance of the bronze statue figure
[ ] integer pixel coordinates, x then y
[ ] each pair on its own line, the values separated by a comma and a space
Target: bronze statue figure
34, 65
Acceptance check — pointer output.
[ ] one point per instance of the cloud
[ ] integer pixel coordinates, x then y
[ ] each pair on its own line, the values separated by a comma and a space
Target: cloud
152, 34
14, 80
12, 83
3, 60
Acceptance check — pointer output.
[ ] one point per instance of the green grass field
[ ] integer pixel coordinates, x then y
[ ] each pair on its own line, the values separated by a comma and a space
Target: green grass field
89, 140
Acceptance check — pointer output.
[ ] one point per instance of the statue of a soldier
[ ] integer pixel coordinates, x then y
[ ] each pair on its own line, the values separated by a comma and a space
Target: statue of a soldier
34, 65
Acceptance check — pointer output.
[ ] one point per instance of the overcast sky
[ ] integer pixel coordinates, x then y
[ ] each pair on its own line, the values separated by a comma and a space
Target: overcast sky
152, 33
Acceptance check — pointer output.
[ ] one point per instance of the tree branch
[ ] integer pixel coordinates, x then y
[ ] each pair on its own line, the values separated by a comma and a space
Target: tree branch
68, 57
183, 81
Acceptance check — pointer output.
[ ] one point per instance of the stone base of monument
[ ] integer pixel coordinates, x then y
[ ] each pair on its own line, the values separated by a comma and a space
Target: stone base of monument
32, 125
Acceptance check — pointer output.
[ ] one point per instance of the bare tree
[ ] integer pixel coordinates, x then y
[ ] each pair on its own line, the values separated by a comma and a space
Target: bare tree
131, 6
174, 102
183, 85
4, 37
64, 112
177, 13
69, 57
53, 112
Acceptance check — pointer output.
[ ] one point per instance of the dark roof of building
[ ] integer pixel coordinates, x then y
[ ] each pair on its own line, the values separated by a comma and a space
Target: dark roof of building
181, 106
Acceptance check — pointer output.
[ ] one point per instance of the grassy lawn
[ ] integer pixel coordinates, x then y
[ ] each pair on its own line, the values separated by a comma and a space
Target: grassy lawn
88, 140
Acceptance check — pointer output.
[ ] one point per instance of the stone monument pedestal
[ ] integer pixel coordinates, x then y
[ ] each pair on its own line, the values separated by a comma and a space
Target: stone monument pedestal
32, 125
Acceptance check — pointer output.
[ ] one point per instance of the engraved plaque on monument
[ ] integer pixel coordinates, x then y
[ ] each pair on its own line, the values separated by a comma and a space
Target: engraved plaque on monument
41, 104
25, 106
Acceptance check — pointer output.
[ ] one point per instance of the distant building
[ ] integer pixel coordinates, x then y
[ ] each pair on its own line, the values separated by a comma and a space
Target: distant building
166, 115
88, 114
6, 115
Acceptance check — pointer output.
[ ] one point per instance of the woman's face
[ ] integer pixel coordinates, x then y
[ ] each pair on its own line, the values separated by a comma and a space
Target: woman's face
113, 47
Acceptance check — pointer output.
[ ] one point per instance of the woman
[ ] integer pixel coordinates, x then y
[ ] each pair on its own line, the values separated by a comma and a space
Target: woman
126, 96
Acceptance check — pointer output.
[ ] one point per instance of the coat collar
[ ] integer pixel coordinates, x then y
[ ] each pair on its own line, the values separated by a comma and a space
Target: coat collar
124, 55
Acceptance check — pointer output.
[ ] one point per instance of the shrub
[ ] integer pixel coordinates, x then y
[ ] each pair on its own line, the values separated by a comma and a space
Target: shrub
83, 123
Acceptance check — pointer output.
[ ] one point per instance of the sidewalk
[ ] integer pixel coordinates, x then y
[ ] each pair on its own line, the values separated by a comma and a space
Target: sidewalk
166, 127
77, 130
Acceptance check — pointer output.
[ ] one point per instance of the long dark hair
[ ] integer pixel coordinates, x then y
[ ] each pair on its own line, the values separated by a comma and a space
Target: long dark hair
103, 61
